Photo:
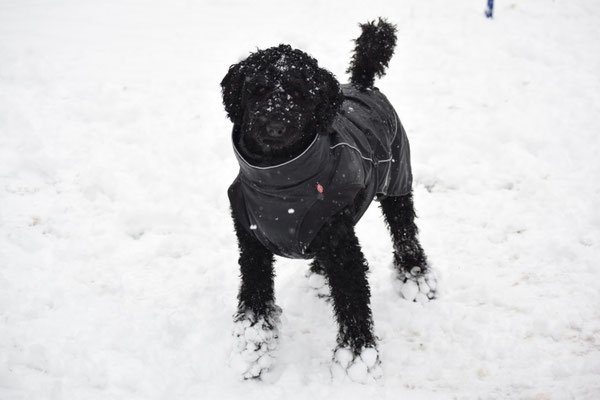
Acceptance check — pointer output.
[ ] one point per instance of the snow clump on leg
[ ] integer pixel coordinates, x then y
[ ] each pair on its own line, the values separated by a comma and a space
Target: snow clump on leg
361, 368
256, 342
318, 283
418, 286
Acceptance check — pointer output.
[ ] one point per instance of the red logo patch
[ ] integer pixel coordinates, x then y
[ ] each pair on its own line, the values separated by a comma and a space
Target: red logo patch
319, 188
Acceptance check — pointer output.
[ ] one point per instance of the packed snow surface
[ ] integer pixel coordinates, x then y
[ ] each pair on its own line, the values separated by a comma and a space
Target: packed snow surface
118, 261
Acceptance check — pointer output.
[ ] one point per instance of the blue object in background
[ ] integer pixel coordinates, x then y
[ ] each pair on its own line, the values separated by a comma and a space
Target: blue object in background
489, 12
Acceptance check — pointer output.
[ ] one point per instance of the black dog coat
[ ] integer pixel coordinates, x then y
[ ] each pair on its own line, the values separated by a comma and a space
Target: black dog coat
285, 205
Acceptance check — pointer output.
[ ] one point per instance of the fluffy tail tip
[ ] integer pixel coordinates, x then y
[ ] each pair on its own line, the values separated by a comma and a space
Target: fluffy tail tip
373, 52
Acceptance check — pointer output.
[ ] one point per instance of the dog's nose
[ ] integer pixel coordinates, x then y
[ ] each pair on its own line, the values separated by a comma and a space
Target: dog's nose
275, 129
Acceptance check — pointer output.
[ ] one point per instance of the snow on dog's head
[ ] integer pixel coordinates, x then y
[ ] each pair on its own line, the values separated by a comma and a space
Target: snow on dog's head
279, 96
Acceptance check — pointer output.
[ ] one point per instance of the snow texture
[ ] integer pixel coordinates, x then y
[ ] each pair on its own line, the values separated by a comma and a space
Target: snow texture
118, 261
364, 368
319, 284
256, 343
418, 286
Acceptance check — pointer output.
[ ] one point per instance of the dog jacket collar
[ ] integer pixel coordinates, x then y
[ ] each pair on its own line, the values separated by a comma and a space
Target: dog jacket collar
285, 205
288, 173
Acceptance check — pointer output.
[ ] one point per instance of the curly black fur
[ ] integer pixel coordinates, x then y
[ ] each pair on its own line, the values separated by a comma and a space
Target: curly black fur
373, 52
339, 255
400, 216
256, 296
278, 100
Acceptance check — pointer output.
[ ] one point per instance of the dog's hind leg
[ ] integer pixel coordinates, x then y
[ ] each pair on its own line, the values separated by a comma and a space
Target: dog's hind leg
317, 280
418, 281
339, 254
257, 319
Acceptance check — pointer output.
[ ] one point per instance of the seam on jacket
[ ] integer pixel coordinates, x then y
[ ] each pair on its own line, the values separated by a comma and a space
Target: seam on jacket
387, 175
361, 154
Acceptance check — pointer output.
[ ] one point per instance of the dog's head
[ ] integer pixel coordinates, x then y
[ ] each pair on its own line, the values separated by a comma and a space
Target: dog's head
279, 97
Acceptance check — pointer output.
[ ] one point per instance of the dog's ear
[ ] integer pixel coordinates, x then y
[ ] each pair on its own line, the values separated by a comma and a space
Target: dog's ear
231, 89
330, 101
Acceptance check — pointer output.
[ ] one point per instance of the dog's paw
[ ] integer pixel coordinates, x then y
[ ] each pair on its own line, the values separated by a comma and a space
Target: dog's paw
318, 283
361, 368
418, 286
256, 342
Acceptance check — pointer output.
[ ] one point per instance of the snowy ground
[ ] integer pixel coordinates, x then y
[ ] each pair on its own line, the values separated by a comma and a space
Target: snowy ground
118, 264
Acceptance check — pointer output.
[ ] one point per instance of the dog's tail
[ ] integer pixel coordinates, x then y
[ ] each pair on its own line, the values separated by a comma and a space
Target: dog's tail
373, 51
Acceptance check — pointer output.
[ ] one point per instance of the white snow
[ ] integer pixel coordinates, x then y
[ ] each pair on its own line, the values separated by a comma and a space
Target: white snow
364, 368
253, 353
118, 261
409, 290
417, 286
318, 283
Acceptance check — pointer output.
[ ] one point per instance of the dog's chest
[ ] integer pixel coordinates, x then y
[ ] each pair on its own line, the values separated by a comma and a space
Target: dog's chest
284, 206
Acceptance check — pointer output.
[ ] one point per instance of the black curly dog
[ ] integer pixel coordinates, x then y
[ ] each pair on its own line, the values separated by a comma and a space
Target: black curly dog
291, 118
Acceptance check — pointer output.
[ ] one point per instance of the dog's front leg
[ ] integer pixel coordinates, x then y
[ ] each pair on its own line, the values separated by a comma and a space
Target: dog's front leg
258, 318
339, 254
